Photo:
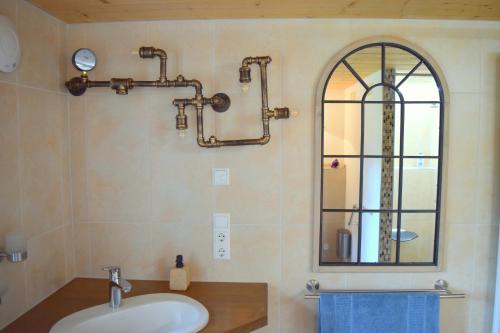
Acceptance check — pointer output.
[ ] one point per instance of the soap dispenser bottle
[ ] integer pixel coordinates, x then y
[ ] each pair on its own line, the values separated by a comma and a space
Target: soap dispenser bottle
180, 277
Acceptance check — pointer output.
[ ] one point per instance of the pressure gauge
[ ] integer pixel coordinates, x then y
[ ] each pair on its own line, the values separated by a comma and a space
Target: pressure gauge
10, 49
84, 59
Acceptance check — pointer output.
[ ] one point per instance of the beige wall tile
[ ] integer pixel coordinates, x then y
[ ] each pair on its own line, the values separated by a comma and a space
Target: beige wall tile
453, 316
192, 241
42, 39
463, 142
120, 244
183, 182
82, 246
114, 52
254, 193
118, 165
69, 252
42, 122
297, 167
490, 58
66, 201
34, 168
14, 301
46, 250
482, 299
9, 171
255, 255
487, 200
78, 152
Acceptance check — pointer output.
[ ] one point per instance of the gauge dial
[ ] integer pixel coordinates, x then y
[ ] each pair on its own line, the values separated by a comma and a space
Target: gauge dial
84, 59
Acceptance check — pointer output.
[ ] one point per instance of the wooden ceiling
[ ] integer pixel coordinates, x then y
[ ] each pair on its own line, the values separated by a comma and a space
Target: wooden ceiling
78, 11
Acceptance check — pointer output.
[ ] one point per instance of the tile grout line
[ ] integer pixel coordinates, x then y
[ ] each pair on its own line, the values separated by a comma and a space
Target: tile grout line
46, 232
16, 83
70, 165
476, 176
62, 153
19, 171
281, 164
473, 282
150, 160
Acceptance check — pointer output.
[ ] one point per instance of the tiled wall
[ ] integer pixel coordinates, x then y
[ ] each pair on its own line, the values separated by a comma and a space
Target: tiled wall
34, 161
142, 194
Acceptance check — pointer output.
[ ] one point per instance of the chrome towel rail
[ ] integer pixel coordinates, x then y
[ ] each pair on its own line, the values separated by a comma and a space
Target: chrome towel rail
440, 286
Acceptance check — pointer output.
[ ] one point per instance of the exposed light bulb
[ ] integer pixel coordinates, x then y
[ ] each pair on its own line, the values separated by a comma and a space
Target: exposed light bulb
245, 86
181, 133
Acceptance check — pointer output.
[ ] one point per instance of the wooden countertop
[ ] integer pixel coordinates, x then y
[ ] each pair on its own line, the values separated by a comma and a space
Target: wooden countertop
233, 307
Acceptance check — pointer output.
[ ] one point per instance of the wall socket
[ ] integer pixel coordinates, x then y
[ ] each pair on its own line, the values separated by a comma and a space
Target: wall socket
222, 236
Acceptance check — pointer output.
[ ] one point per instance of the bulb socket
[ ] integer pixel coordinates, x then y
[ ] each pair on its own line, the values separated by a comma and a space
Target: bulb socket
181, 122
147, 52
245, 76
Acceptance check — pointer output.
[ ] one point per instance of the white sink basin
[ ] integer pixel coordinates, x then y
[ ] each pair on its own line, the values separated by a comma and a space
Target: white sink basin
153, 313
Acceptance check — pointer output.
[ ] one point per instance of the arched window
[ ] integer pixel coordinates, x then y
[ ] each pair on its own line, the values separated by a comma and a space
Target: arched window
381, 156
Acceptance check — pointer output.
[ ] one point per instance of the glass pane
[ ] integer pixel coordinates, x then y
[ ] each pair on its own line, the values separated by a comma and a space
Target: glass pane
382, 94
380, 183
340, 183
394, 235
376, 237
418, 237
382, 129
342, 126
343, 85
420, 86
339, 233
419, 183
397, 63
368, 64
421, 130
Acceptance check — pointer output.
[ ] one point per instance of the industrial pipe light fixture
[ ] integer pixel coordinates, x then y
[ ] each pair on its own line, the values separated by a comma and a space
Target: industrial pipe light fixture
85, 60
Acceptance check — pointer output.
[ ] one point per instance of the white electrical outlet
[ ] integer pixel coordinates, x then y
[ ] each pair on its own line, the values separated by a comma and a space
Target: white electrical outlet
221, 236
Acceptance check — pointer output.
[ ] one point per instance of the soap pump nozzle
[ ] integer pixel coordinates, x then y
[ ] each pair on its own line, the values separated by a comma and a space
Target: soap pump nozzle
178, 261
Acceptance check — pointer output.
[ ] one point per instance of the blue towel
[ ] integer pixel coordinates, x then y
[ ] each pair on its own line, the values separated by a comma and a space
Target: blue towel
379, 313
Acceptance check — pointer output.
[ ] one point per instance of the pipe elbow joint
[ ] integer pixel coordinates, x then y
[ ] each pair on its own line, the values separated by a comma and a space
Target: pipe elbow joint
202, 143
247, 61
151, 52
197, 84
77, 86
160, 53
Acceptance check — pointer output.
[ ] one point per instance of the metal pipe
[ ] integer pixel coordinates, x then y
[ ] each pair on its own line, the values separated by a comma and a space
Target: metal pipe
278, 113
441, 295
220, 102
151, 52
440, 286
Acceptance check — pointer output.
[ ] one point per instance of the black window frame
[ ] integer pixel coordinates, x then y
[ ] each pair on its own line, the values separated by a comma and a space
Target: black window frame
401, 157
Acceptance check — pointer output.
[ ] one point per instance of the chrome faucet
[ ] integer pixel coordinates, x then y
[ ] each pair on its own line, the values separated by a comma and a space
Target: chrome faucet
116, 286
